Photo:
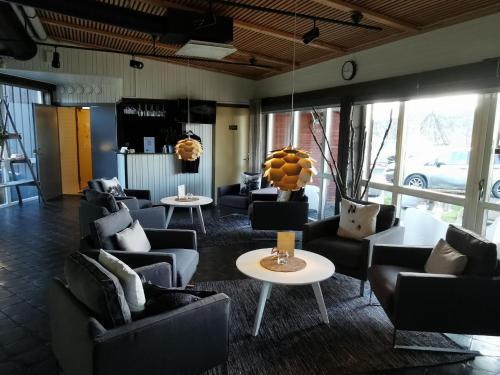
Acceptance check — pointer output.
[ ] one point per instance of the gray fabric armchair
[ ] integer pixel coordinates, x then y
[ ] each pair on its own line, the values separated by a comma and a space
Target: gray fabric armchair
157, 344
176, 247
143, 196
351, 257
150, 217
418, 301
230, 199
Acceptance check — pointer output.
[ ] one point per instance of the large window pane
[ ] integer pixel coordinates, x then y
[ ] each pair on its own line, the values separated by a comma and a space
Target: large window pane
278, 130
377, 122
493, 195
438, 137
329, 194
492, 226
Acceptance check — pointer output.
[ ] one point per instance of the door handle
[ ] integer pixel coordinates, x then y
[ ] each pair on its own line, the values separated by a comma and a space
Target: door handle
481, 189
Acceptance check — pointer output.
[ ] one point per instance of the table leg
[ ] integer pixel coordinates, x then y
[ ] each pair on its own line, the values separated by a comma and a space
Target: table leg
169, 215
264, 293
321, 302
191, 214
269, 292
200, 215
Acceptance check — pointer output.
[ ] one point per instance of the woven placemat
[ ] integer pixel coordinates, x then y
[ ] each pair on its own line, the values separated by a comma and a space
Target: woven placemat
187, 199
294, 264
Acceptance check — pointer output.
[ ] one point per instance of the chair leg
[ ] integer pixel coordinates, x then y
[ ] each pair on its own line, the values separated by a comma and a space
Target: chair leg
362, 288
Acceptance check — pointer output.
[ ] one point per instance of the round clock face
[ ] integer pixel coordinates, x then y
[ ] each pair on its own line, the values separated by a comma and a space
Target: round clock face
349, 70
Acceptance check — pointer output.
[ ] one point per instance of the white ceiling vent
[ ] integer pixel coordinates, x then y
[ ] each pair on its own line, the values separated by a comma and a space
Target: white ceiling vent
206, 50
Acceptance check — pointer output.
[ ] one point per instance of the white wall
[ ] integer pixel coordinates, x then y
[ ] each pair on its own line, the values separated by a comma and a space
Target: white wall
460, 44
96, 77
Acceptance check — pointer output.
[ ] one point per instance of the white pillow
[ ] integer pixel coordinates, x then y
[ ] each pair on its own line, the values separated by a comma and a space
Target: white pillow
129, 279
113, 187
133, 238
357, 220
446, 260
283, 195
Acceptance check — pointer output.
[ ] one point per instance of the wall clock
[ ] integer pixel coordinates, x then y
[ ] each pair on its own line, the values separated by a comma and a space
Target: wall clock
349, 69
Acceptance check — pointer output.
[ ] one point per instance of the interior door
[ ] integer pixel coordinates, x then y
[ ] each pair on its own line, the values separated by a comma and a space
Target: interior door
47, 151
84, 147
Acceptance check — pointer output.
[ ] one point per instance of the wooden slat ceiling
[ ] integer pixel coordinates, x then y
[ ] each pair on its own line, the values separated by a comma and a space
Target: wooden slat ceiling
269, 37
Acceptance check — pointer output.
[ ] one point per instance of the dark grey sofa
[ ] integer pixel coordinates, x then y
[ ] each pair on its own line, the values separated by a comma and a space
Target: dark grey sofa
418, 301
150, 217
177, 247
229, 198
351, 257
143, 196
266, 213
186, 340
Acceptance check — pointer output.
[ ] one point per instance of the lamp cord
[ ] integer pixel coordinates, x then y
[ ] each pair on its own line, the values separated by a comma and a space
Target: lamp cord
292, 114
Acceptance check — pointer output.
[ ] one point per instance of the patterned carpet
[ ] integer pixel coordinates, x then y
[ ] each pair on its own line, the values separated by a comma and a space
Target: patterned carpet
292, 339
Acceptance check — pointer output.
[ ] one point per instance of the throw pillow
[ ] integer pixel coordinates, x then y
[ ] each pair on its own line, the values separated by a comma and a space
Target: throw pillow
249, 182
444, 259
98, 289
283, 196
129, 279
122, 205
133, 238
113, 187
101, 199
357, 221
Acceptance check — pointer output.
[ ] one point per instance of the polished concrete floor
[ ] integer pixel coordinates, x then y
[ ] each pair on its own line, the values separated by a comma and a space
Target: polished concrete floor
33, 244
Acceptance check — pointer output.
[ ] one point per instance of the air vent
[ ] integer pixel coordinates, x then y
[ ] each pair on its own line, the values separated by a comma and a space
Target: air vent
207, 50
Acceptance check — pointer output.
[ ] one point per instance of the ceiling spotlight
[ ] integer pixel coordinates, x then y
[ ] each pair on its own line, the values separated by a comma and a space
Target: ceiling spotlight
56, 59
356, 17
311, 34
136, 64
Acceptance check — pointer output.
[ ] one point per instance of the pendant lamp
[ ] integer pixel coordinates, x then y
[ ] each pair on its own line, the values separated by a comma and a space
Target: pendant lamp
289, 168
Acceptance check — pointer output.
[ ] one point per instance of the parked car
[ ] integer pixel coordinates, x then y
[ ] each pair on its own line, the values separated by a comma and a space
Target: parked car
448, 171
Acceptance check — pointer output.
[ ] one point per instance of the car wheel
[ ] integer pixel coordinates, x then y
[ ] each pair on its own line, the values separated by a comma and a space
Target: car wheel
416, 181
495, 190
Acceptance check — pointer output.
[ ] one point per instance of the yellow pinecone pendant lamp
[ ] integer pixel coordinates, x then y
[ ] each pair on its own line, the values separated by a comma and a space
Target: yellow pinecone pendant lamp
289, 168
188, 149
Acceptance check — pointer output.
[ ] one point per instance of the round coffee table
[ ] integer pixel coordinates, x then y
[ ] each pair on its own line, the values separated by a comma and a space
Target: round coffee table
172, 202
318, 269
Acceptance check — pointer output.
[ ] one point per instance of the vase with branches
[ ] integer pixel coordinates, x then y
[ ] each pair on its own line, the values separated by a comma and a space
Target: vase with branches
349, 188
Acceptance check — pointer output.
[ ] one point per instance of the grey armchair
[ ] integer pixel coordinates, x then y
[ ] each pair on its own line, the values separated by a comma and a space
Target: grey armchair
143, 196
266, 213
89, 211
229, 198
351, 257
418, 301
176, 247
169, 342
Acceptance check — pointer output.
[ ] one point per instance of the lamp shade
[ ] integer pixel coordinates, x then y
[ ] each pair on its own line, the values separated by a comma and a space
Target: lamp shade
188, 149
289, 168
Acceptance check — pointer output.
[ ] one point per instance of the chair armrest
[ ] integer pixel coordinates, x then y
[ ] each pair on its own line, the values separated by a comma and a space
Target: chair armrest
168, 341
157, 273
171, 238
131, 202
266, 197
447, 303
401, 255
319, 228
138, 193
152, 217
279, 215
233, 189
393, 235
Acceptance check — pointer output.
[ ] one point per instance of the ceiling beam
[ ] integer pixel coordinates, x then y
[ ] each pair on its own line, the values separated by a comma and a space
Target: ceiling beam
369, 14
141, 41
285, 35
254, 27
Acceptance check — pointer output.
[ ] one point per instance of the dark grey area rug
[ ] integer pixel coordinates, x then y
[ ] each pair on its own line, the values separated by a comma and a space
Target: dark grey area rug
293, 340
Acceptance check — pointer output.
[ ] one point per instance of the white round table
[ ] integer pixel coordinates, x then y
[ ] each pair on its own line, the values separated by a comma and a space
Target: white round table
172, 203
317, 269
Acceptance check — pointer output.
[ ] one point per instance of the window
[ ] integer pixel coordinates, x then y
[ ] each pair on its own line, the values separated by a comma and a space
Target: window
278, 130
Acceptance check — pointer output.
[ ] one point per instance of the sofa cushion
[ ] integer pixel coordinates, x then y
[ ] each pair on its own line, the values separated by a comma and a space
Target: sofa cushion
144, 203
234, 201
113, 187
386, 217
249, 182
101, 199
129, 280
104, 229
357, 220
133, 239
481, 253
186, 262
446, 260
98, 289
383, 280
341, 251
